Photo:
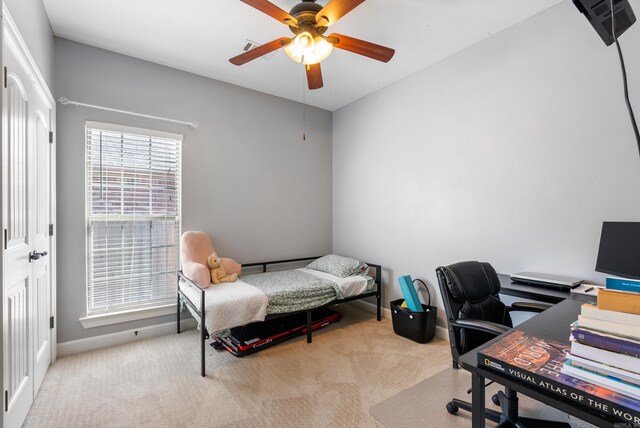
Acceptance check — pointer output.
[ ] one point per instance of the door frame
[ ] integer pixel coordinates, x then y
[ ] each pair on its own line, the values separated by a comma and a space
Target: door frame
11, 38
2, 225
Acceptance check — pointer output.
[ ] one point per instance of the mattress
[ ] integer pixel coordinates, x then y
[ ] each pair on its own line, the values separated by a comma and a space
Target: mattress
239, 303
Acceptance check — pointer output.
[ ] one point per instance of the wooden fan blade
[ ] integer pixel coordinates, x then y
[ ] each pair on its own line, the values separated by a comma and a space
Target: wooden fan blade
335, 10
254, 53
381, 53
273, 11
314, 76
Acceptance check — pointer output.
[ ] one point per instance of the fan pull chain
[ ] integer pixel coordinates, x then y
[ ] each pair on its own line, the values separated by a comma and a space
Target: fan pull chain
304, 105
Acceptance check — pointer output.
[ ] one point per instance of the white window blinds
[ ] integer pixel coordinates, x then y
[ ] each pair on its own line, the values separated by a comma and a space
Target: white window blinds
133, 217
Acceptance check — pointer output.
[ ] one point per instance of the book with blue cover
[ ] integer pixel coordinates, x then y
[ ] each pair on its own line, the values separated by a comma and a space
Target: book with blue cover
410, 294
608, 381
606, 341
623, 284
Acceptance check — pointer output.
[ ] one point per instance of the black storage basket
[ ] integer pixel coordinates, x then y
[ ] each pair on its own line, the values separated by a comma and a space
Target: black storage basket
417, 326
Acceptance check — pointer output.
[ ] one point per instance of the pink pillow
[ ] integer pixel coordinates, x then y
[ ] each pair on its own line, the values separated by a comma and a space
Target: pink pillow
231, 266
197, 273
195, 247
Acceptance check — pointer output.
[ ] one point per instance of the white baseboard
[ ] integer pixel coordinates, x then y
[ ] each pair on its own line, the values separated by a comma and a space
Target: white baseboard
441, 332
370, 307
105, 340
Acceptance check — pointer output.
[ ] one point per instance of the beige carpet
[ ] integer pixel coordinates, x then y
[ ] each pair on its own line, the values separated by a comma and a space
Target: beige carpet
424, 404
349, 367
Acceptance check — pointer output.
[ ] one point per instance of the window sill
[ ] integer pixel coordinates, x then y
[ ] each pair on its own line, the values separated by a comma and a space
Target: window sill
124, 316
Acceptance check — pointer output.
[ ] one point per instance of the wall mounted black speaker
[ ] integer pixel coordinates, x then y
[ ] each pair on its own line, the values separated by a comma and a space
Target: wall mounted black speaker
598, 13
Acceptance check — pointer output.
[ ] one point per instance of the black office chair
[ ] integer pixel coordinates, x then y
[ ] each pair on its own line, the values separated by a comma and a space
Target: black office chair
476, 315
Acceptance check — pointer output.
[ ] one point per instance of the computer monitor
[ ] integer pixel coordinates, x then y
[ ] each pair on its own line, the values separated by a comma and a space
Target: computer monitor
619, 252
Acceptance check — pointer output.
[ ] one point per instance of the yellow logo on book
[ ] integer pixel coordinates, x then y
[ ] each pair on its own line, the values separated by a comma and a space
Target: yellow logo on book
493, 364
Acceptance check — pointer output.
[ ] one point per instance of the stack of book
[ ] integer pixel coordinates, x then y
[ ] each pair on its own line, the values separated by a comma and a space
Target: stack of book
605, 342
539, 361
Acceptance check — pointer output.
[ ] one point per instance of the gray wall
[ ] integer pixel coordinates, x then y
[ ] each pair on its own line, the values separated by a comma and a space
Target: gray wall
33, 23
248, 178
512, 151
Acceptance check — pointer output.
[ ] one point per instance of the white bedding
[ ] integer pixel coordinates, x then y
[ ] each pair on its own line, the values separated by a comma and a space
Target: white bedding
350, 286
237, 303
228, 305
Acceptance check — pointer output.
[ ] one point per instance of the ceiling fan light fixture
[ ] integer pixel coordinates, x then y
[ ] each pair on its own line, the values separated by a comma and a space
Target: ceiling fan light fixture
306, 49
308, 21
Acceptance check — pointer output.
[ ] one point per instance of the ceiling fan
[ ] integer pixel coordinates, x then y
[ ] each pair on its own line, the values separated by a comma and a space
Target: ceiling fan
309, 21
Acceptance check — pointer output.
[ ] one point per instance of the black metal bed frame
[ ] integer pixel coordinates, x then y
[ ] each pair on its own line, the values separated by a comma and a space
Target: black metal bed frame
201, 311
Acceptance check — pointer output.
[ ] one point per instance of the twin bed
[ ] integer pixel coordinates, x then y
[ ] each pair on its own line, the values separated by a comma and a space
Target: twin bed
278, 289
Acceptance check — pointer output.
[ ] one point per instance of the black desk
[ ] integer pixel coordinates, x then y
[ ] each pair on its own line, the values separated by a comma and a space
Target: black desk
540, 294
553, 324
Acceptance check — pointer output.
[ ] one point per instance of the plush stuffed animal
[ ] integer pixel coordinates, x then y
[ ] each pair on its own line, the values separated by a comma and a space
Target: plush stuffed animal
218, 274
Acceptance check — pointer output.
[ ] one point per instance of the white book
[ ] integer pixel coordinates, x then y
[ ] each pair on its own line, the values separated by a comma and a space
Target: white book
632, 331
621, 361
605, 381
593, 312
605, 369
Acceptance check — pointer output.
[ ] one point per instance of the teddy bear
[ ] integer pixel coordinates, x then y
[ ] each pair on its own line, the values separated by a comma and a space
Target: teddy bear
218, 274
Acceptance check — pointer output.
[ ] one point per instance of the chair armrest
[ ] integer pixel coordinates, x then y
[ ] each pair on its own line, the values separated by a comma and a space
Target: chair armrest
480, 325
529, 307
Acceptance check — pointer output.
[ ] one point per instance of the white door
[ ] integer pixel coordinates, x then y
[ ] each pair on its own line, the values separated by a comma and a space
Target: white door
41, 245
26, 213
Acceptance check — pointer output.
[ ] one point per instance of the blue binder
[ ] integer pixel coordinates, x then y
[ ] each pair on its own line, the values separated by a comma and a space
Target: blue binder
410, 294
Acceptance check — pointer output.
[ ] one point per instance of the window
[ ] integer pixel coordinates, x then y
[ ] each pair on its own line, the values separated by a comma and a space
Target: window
133, 217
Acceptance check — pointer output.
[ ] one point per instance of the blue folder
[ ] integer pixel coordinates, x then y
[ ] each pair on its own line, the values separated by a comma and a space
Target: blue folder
410, 294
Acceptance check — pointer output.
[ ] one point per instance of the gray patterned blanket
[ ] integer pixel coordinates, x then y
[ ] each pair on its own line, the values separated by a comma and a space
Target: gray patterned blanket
293, 290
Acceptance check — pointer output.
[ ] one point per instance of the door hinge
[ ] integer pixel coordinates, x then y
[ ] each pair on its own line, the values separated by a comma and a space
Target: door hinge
50, 230
6, 401
6, 238
5, 77
51, 322
50, 137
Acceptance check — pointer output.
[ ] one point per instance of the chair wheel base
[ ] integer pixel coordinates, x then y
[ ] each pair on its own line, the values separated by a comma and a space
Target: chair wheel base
452, 408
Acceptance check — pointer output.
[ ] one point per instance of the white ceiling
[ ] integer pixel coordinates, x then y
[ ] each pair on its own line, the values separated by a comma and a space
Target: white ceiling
200, 36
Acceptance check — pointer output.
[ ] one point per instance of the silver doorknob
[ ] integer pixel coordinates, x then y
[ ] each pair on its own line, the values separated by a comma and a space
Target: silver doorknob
34, 255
